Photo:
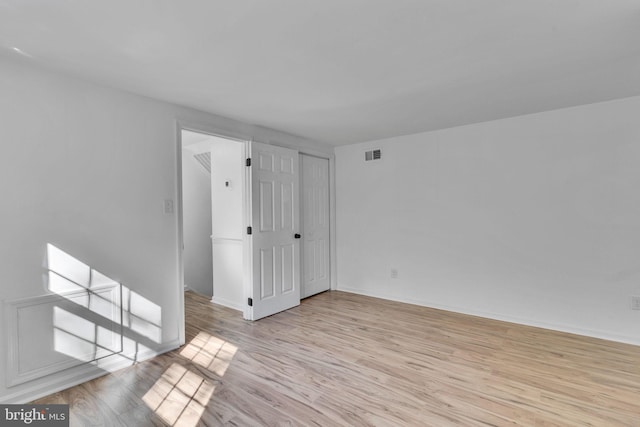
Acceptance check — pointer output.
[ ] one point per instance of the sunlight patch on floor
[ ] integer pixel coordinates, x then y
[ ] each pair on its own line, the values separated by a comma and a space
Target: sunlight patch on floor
210, 352
179, 396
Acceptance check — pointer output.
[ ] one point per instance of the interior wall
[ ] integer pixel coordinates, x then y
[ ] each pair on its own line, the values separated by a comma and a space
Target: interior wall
196, 208
227, 167
87, 168
533, 219
227, 183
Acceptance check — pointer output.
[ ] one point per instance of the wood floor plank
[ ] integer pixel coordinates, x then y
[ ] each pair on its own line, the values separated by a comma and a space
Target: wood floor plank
342, 359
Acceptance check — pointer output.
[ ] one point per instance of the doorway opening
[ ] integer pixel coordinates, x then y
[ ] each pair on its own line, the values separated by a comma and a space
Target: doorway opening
240, 217
213, 216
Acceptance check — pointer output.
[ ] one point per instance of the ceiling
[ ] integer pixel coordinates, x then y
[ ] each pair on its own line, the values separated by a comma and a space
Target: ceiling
341, 71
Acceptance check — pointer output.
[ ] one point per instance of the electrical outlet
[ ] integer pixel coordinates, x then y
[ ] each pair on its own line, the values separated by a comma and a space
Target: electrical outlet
394, 273
635, 303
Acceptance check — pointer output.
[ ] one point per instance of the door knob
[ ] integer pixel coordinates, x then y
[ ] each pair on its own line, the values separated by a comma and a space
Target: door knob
297, 236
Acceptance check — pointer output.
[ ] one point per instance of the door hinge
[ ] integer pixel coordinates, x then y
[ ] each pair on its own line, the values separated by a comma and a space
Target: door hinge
249, 230
248, 163
250, 302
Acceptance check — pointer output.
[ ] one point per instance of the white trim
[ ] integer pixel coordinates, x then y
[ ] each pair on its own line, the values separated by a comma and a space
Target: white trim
247, 240
12, 309
306, 151
227, 303
87, 372
332, 239
333, 255
181, 286
333, 263
225, 240
217, 131
231, 129
510, 319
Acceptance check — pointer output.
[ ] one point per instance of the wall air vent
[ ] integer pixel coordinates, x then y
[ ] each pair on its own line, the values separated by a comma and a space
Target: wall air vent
373, 155
204, 159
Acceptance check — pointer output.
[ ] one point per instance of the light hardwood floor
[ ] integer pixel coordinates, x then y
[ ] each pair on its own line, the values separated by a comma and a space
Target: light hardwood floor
344, 359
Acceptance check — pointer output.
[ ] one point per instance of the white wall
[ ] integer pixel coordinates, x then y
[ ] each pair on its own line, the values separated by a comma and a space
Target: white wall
87, 168
227, 166
534, 219
227, 221
196, 208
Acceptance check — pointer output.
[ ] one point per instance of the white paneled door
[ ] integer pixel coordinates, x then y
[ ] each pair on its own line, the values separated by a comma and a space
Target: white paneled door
315, 225
275, 238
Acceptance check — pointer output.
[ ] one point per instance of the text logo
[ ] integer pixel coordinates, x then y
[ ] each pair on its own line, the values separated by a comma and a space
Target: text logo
34, 415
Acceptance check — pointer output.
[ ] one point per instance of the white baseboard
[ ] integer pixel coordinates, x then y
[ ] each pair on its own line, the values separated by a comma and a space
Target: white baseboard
78, 375
227, 303
605, 335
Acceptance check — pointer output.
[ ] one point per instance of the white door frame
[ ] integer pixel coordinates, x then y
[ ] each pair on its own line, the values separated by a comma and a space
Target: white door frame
302, 222
247, 243
205, 130
180, 237
208, 129
333, 269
